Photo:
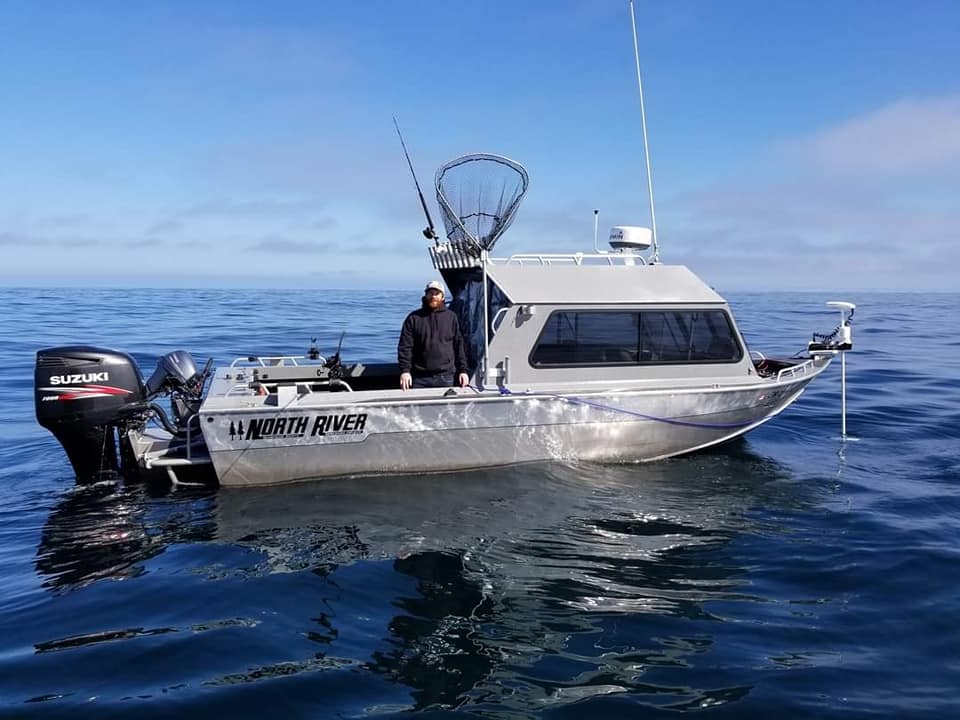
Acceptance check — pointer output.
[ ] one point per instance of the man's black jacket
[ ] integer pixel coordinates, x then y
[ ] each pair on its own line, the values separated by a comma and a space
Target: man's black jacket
431, 343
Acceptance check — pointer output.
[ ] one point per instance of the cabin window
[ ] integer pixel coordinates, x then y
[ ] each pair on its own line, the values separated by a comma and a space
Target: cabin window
596, 337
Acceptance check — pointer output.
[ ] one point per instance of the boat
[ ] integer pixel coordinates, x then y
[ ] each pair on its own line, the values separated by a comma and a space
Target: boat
604, 355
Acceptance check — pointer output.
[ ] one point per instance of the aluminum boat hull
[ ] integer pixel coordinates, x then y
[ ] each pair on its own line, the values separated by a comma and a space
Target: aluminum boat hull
371, 433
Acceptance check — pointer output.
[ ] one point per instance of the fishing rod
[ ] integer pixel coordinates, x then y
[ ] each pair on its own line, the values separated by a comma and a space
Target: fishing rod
428, 231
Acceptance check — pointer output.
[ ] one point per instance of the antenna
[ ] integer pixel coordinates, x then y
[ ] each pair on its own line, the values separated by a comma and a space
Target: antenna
646, 148
428, 231
596, 225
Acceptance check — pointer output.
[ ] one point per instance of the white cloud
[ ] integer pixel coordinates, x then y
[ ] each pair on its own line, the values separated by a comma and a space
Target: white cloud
867, 201
11, 239
259, 208
284, 55
166, 227
284, 245
905, 138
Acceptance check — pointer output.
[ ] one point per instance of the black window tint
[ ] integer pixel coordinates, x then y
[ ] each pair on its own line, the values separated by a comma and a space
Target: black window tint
715, 339
628, 338
593, 338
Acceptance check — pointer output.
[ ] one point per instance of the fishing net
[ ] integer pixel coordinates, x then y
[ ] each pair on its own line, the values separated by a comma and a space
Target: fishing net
478, 197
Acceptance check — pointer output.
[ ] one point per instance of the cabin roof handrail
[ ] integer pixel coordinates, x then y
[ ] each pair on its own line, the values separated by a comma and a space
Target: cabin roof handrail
255, 361
578, 258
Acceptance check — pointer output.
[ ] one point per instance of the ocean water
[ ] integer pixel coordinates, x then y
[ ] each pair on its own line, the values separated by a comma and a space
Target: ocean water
787, 575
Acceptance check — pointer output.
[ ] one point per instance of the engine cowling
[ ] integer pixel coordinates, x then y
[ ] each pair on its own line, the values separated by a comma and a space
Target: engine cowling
81, 393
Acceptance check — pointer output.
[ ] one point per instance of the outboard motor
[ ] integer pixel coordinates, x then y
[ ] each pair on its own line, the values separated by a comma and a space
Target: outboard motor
177, 374
82, 393
86, 395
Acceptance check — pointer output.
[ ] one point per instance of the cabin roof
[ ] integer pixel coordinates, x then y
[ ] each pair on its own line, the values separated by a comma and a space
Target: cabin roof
601, 284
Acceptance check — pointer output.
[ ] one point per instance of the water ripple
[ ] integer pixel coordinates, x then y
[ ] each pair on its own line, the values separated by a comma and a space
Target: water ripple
789, 574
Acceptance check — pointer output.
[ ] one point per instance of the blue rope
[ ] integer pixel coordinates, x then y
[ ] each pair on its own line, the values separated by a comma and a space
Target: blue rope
669, 421
610, 408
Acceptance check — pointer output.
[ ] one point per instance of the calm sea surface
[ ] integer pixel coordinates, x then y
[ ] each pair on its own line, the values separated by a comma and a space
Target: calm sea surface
789, 575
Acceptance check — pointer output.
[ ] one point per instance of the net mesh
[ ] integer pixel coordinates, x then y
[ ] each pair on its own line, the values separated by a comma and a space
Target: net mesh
478, 197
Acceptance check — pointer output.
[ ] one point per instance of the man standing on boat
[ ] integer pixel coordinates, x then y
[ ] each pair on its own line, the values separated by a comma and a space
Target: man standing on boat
431, 348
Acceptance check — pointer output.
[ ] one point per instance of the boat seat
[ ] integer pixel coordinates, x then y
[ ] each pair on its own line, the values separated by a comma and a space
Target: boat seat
571, 354
620, 355
721, 350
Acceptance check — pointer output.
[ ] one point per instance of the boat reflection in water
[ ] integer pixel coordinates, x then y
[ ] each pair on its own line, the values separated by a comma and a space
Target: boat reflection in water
109, 531
532, 586
517, 588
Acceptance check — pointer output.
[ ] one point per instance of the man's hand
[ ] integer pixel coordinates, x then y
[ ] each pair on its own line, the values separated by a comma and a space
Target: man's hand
406, 379
463, 379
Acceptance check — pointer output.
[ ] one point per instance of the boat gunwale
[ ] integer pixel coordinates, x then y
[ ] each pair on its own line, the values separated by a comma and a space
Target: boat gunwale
495, 394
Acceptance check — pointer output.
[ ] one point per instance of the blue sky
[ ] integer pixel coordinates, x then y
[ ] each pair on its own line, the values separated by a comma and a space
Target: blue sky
795, 145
